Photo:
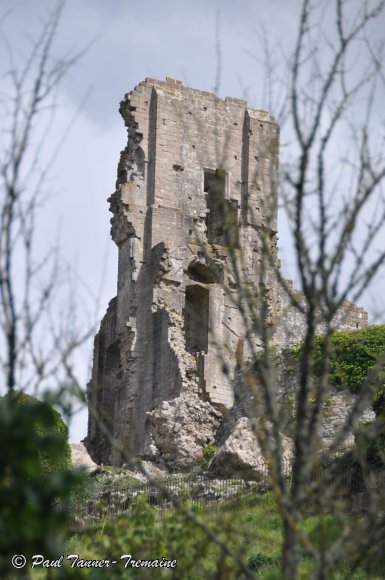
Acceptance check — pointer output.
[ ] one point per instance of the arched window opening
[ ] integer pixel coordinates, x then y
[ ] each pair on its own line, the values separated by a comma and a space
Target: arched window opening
138, 160
201, 273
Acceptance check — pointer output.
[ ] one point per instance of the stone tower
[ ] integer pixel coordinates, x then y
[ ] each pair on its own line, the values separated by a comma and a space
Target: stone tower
196, 187
190, 161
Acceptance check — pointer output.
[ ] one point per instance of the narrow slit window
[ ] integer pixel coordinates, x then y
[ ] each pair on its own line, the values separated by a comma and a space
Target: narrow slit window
196, 318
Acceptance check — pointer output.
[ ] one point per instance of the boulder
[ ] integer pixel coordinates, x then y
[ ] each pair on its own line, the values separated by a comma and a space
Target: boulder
241, 455
179, 429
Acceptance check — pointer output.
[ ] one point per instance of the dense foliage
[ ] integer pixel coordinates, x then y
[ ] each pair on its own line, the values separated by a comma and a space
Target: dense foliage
54, 452
35, 482
354, 353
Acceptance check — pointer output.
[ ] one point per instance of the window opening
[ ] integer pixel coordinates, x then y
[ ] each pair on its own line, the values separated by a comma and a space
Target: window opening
201, 273
196, 318
222, 217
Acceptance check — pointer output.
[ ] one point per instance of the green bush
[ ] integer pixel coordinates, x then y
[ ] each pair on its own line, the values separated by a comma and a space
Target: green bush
53, 451
35, 484
354, 353
208, 453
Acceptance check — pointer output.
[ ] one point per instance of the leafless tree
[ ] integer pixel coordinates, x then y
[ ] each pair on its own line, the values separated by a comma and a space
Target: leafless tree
332, 180
332, 188
37, 340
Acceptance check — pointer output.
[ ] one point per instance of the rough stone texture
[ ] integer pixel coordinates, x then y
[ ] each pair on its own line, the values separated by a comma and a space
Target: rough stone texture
195, 168
290, 321
80, 457
241, 454
185, 148
335, 409
335, 413
180, 428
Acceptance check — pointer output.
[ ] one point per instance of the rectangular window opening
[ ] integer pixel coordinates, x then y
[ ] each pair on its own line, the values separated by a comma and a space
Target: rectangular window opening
196, 319
222, 217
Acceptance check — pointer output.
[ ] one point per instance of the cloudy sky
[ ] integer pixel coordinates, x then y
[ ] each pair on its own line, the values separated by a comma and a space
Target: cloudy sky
130, 40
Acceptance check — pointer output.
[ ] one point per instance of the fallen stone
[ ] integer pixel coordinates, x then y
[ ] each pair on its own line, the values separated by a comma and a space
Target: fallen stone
181, 428
152, 471
241, 455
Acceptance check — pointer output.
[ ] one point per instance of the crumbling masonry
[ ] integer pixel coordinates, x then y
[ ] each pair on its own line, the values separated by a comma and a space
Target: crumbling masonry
192, 162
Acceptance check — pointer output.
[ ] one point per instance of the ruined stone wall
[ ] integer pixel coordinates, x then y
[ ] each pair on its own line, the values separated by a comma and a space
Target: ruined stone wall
290, 322
335, 410
185, 149
164, 357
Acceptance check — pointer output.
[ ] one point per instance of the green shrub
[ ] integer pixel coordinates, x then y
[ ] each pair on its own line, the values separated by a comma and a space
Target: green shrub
354, 353
208, 453
53, 451
35, 484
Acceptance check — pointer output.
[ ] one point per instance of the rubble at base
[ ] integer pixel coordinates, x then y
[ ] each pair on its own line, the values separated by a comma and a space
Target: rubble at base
242, 456
179, 429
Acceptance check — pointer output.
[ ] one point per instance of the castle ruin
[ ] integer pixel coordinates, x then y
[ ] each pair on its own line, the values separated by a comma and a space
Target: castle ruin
197, 181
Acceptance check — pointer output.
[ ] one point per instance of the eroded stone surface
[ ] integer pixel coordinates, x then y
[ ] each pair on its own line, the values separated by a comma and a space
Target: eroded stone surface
335, 410
181, 428
190, 163
334, 414
196, 185
241, 454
